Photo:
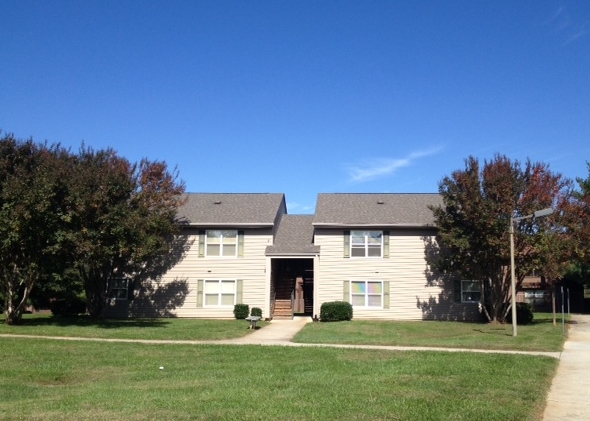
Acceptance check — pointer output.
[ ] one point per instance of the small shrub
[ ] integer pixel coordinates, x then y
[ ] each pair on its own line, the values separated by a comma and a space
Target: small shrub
256, 311
241, 311
335, 311
524, 314
68, 306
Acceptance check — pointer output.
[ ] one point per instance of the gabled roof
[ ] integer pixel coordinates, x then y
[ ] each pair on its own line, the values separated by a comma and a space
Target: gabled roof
375, 209
294, 236
254, 210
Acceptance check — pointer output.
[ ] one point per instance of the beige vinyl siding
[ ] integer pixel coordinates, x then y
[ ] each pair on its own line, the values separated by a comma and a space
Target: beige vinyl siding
413, 296
169, 294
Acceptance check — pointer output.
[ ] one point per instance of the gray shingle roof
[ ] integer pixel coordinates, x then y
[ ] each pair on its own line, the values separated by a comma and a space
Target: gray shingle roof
375, 209
232, 209
294, 236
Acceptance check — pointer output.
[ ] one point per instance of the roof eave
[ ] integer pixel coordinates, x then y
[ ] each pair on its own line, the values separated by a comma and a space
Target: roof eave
349, 225
230, 224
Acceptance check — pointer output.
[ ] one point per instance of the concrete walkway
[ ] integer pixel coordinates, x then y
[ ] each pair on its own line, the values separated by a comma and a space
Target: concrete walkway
569, 396
277, 332
281, 332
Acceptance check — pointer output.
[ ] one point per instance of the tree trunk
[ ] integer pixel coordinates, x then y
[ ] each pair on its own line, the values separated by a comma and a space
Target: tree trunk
95, 295
14, 311
13, 317
94, 303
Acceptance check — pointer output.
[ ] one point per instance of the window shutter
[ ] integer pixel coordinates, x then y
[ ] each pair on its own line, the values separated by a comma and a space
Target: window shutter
240, 243
346, 291
346, 243
457, 290
200, 292
239, 291
130, 289
386, 294
201, 243
386, 244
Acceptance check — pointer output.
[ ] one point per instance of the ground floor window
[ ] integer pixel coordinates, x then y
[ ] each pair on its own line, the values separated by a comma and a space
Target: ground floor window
470, 291
366, 294
119, 288
220, 292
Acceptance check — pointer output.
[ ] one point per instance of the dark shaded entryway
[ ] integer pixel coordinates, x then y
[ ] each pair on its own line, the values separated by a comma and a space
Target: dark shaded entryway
291, 287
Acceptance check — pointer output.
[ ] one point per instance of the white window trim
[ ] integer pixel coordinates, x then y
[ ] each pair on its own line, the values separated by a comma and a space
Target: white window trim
126, 288
366, 245
470, 301
221, 244
219, 281
366, 294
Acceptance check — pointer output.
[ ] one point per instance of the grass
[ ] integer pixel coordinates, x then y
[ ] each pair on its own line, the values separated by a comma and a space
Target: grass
54, 380
541, 335
157, 329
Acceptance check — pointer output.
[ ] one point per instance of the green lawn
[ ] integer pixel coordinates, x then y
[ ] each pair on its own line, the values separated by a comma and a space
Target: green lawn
163, 328
538, 336
63, 380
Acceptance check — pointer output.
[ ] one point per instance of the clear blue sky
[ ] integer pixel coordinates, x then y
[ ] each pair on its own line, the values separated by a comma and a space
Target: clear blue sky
302, 97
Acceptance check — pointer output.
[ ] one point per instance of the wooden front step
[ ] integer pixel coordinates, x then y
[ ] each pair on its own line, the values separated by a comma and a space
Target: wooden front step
283, 309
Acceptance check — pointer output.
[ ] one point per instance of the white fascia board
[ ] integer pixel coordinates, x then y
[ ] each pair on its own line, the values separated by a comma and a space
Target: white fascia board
230, 225
337, 225
292, 255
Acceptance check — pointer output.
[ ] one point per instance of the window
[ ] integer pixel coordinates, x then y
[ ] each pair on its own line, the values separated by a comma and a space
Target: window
222, 243
535, 297
119, 288
220, 292
366, 293
366, 243
470, 291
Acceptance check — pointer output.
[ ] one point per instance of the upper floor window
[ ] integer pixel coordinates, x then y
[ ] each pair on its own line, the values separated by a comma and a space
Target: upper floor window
366, 243
222, 243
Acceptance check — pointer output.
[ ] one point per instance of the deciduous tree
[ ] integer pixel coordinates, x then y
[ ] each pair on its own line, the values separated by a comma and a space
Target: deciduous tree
578, 221
473, 223
92, 216
123, 220
32, 213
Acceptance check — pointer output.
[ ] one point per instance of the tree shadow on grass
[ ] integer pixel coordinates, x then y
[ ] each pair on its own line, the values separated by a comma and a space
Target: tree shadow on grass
545, 321
549, 319
86, 321
495, 332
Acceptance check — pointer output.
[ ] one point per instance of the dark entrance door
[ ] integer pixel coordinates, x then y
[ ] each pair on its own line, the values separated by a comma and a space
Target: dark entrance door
291, 287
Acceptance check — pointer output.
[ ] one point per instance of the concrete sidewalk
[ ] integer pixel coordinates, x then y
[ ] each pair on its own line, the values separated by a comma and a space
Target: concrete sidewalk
281, 332
569, 396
